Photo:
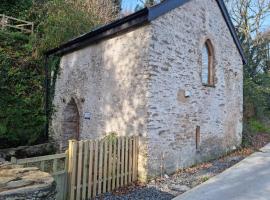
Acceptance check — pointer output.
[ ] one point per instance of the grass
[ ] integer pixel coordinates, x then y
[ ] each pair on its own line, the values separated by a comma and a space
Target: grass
256, 126
205, 178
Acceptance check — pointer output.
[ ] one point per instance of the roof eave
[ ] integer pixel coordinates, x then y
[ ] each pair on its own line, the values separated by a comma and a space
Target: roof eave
118, 26
136, 19
164, 7
232, 29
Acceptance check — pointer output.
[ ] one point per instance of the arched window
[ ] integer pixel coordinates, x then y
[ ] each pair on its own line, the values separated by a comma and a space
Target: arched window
208, 64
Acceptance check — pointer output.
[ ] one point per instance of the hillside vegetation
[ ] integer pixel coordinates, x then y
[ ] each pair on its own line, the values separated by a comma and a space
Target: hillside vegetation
21, 100
22, 116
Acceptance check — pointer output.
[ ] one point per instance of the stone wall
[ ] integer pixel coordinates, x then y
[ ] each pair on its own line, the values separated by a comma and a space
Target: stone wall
27, 151
175, 61
107, 80
28, 183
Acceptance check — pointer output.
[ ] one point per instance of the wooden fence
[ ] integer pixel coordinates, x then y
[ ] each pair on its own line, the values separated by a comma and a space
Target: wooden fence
12, 22
91, 167
100, 166
55, 164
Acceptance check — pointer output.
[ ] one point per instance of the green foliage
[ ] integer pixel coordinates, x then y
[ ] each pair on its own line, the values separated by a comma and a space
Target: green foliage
256, 126
257, 94
256, 91
21, 100
112, 136
22, 118
205, 178
61, 21
53, 65
15, 8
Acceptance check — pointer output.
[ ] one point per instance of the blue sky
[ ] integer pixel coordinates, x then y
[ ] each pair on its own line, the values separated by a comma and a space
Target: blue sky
129, 4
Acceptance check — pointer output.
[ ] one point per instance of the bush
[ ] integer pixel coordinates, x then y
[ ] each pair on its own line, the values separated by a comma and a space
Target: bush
22, 119
256, 95
256, 126
62, 20
15, 8
21, 112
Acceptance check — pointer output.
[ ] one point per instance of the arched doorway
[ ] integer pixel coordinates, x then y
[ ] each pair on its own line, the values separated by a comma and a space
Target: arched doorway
71, 124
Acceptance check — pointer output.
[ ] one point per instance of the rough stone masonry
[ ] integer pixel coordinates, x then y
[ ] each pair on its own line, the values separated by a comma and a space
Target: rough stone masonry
19, 183
136, 83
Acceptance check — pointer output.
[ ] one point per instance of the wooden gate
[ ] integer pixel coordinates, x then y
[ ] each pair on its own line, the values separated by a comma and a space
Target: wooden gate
99, 166
91, 167
55, 164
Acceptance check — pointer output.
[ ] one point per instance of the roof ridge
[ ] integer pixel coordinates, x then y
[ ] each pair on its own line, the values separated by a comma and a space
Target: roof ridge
138, 18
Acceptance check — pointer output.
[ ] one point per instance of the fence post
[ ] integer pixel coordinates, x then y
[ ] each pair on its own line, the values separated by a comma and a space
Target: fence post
136, 156
67, 159
3, 22
32, 27
24, 26
13, 160
72, 160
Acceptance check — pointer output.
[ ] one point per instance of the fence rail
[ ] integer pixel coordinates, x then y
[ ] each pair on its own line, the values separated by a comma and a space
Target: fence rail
91, 167
55, 164
12, 22
100, 166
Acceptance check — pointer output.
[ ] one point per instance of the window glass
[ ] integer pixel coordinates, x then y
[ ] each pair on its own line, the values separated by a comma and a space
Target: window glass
205, 64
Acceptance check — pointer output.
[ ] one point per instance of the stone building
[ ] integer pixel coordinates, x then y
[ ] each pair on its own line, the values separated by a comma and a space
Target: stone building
171, 73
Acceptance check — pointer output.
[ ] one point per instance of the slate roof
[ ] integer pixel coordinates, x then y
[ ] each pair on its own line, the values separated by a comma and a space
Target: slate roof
138, 18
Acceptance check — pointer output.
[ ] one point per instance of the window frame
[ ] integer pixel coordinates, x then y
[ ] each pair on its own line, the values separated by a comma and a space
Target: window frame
210, 55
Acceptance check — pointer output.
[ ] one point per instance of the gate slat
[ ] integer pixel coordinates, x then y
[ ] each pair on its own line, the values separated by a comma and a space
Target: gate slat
134, 157
100, 167
85, 165
110, 166
122, 161
118, 162
105, 166
69, 166
114, 164
73, 172
95, 169
126, 160
90, 171
129, 161
79, 171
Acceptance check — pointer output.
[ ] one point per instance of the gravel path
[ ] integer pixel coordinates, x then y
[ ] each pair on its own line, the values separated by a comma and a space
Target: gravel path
168, 187
145, 193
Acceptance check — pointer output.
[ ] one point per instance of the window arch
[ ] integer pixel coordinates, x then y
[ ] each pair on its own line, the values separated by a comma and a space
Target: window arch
207, 74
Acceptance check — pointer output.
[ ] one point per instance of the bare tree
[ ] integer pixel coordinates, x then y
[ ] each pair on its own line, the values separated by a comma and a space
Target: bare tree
146, 3
249, 18
106, 10
149, 2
